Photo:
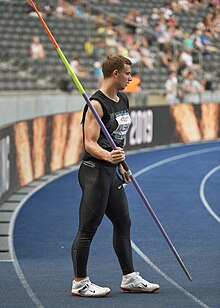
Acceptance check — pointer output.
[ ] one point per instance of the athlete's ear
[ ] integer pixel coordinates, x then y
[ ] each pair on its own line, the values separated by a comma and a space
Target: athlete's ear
115, 73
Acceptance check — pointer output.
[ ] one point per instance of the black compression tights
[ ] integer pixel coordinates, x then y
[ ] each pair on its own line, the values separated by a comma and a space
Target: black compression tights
102, 194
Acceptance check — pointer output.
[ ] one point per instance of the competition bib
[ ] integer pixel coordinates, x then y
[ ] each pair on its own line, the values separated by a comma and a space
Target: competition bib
123, 121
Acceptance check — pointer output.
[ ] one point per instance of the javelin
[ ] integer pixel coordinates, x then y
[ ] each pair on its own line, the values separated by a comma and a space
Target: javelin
109, 138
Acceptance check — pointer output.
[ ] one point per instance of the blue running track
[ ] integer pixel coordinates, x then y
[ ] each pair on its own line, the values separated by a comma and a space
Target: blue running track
182, 184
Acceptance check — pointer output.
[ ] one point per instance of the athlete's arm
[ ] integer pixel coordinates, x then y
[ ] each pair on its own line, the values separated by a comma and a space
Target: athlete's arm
91, 135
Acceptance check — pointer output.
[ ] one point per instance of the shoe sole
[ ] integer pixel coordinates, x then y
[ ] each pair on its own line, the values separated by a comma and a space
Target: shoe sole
138, 290
95, 296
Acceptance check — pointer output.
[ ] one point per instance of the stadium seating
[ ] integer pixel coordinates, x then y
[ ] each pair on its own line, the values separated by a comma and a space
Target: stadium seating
19, 72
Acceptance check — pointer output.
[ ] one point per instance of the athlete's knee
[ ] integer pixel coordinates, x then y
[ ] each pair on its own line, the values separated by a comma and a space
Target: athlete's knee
123, 224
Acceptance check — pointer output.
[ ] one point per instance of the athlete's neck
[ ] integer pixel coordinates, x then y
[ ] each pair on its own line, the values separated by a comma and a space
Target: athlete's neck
110, 93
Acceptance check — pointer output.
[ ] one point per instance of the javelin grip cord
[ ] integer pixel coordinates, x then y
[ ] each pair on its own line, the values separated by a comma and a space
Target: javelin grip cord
109, 138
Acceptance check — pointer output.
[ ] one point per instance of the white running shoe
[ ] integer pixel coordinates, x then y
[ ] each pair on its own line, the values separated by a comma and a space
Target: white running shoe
87, 289
133, 282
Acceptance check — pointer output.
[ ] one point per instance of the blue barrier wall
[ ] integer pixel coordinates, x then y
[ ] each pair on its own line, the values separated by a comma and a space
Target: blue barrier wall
32, 148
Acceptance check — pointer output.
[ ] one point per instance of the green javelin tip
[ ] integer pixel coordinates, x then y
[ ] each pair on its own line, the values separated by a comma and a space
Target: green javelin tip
70, 70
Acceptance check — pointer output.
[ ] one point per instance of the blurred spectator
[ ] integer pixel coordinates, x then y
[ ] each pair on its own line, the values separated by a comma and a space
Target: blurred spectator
192, 89
134, 20
49, 9
88, 47
196, 39
69, 9
200, 27
138, 36
175, 5
155, 15
122, 50
146, 56
28, 9
99, 52
135, 84
168, 60
97, 71
172, 21
121, 33
207, 82
129, 39
130, 20
186, 62
176, 33
216, 22
187, 40
214, 4
184, 5
78, 69
134, 55
166, 11
100, 23
111, 42
36, 49
208, 20
207, 42
59, 12
171, 87
80, 9
163, 36
64, 9
162, 23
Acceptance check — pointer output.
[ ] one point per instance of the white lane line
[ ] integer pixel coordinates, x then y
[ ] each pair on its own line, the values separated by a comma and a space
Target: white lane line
14, 259
177, 157
202, 192
165, 276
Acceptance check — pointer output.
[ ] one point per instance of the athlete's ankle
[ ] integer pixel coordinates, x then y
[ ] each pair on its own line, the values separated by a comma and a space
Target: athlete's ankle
78, 279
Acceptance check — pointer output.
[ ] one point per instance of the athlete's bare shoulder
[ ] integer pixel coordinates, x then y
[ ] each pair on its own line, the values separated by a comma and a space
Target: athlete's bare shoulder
96, 104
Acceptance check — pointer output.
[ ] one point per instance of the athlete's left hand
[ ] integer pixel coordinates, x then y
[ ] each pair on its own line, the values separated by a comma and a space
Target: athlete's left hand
124, 174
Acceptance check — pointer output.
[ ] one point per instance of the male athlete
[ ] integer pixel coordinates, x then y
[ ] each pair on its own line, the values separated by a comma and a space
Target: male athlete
102, 189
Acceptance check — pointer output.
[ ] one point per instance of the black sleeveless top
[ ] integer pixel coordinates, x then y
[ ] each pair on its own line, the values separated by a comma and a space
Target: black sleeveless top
116, 119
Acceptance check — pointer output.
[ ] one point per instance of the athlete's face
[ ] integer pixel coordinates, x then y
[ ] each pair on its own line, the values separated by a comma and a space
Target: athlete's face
124, 77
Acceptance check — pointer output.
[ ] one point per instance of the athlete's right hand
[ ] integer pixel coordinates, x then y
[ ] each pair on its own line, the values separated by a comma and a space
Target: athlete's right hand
116, 156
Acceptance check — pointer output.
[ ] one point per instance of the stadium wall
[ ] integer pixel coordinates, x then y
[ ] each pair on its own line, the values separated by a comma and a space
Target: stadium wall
52, 140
